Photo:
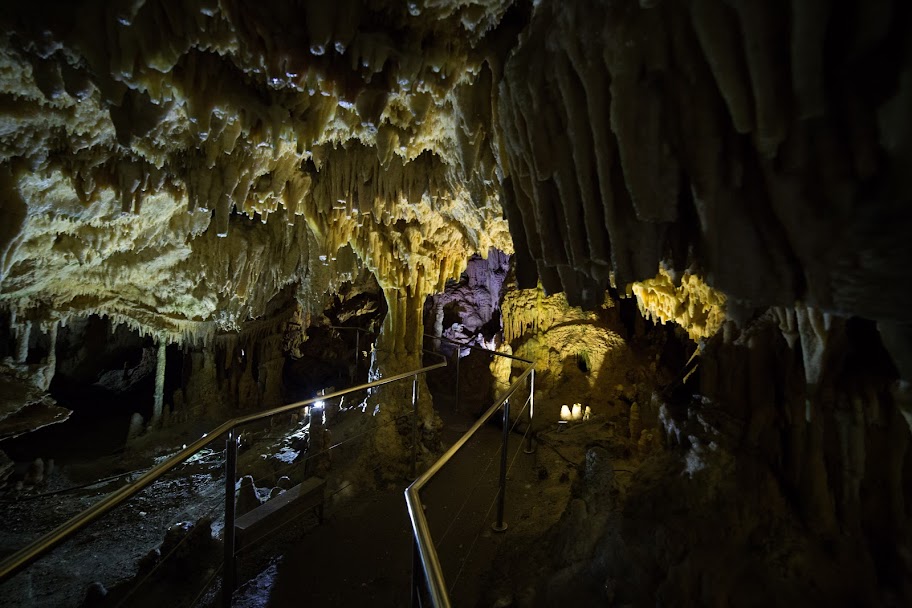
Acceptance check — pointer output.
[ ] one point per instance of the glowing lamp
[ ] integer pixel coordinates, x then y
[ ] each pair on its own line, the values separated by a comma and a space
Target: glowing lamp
577, 412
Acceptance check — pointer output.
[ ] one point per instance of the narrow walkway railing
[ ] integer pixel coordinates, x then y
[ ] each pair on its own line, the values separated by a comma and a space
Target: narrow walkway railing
36, 549
357, 331
426, 561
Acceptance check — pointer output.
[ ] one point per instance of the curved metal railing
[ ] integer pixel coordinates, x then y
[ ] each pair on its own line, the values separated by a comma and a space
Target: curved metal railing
36, 549
426, 557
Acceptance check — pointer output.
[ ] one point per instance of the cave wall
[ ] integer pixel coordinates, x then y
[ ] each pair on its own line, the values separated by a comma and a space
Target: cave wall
739, 167
773, 467
468, 310
765, 144
769, 489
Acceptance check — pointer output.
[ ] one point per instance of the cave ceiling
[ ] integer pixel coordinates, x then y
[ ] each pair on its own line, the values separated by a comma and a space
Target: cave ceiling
176, 164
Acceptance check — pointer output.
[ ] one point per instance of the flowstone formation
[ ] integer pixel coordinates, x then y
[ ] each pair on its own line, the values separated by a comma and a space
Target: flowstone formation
144, 142
174, 166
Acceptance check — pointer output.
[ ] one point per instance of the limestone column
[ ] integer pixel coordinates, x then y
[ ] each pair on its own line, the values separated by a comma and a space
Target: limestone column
51, 360
158, 405
22, 345
438, 322
45, 374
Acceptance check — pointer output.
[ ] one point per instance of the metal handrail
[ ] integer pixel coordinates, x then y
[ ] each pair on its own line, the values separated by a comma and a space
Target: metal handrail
358, 331
425, 552
472, 347
25, 556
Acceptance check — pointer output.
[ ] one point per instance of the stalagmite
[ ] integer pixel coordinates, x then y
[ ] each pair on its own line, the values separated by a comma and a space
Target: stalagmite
635, 425
136, 427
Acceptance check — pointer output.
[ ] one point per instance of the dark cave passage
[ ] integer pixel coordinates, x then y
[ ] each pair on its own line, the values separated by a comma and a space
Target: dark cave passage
104, 374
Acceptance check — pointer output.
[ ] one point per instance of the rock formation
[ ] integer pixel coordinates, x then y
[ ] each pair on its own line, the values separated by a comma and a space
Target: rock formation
209, 173
146, 145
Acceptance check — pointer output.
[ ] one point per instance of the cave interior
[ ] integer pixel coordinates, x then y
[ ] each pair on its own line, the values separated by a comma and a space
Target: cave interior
690, 218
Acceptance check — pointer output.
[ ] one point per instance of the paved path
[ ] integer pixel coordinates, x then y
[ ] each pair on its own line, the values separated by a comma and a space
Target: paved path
362, 554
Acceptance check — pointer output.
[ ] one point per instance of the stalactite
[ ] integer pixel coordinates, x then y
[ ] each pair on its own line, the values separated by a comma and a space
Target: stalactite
716, 27
23, 334
194, 142
693, 305
159, 396
814, 328
809, 27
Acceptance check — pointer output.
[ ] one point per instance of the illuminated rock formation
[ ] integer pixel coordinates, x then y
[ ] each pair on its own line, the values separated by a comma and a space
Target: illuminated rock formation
142, 142
580, 355
693, 305
186, 168
139, 135
468, 311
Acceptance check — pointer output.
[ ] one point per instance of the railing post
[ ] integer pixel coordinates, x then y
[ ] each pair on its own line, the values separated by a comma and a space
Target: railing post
414, 426
500, 525
530, 436
357, 349
228, 571
458, 353
416, 574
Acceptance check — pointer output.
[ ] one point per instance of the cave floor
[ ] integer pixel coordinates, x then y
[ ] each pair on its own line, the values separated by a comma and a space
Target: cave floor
362, 554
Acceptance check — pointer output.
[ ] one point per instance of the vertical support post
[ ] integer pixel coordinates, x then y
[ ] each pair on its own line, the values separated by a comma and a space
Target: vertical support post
416, 574
357, 348
228, 569
414, 426
530, 436
500, 525
456, 409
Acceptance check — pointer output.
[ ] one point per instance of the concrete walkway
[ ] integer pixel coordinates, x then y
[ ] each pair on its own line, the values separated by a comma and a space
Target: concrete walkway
362, 554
